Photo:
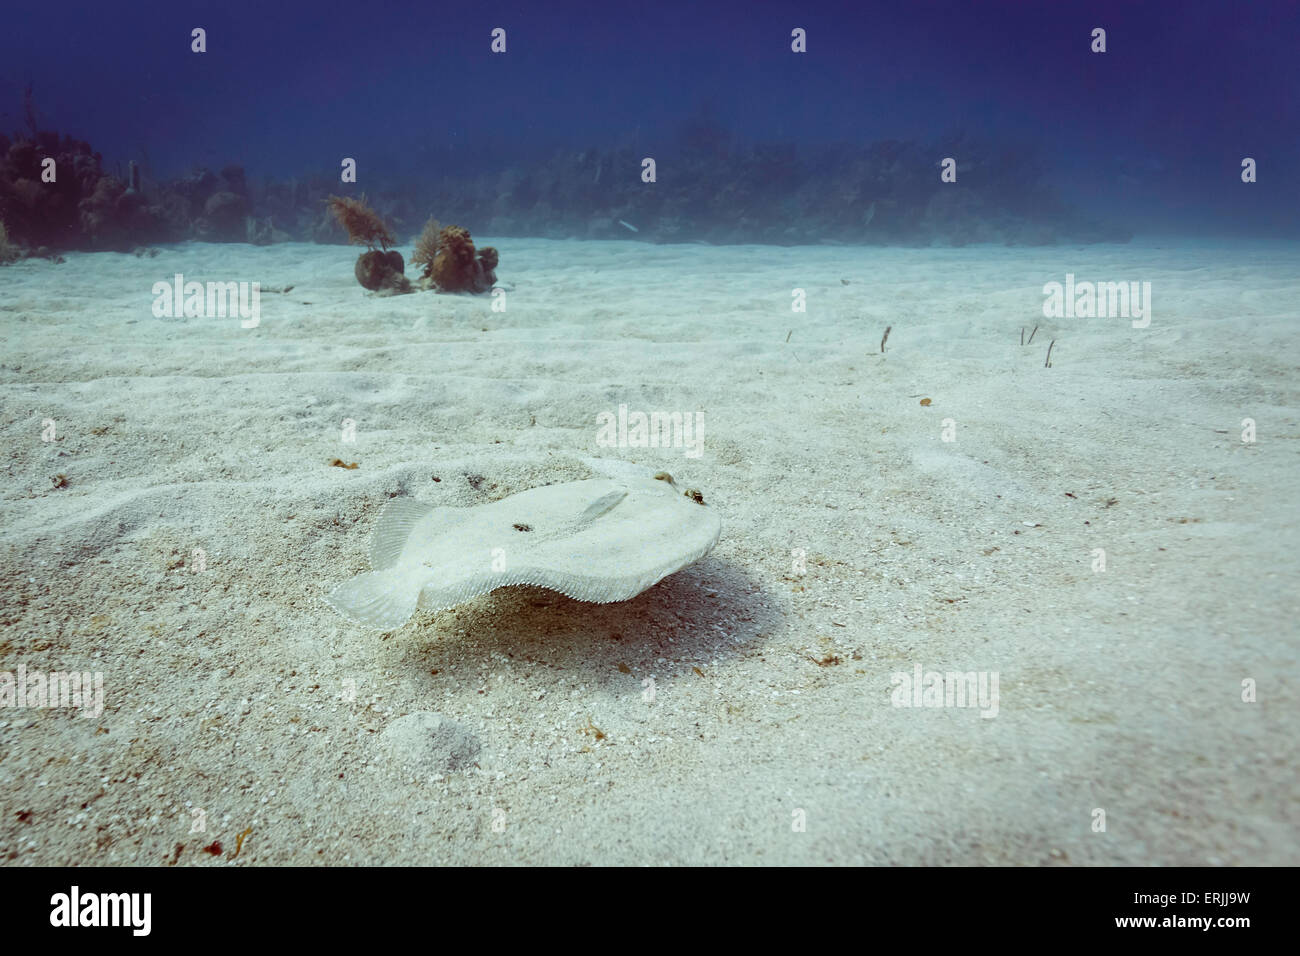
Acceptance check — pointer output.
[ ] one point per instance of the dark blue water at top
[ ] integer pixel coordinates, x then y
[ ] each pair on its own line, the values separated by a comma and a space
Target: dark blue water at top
1153, 131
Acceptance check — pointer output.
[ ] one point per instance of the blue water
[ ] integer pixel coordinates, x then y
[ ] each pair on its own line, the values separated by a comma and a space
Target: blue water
1150, 134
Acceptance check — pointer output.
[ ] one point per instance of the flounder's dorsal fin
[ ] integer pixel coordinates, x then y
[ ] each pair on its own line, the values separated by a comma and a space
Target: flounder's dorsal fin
393, 530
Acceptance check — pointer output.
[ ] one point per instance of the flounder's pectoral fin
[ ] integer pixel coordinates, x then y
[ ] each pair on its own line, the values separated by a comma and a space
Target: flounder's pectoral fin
602, 505
384, 600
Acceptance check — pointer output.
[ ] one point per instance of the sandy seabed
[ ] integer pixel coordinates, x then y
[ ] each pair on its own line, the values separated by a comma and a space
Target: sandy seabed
744, 709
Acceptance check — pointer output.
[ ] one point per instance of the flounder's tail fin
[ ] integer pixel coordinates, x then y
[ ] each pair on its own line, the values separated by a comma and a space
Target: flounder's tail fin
384, 600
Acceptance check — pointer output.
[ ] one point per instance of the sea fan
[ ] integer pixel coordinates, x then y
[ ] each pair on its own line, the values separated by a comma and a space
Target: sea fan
426, 247
363, 225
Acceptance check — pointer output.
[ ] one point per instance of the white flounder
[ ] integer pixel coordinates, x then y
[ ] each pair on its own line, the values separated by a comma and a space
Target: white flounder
599, 540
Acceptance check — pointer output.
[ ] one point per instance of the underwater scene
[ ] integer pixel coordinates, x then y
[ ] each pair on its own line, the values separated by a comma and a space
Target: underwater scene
852, 434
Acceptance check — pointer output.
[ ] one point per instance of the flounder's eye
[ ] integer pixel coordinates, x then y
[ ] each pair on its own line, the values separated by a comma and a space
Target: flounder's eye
663, 476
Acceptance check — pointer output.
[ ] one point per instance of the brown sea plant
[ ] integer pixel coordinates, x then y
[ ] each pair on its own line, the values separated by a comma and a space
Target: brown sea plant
379, 270
364, 226
455, 269
426, 247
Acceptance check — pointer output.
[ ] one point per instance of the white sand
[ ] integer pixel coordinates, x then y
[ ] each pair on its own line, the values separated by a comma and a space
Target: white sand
1118, 690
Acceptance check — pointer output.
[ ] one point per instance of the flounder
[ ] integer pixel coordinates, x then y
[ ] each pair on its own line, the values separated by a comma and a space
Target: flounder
598, 540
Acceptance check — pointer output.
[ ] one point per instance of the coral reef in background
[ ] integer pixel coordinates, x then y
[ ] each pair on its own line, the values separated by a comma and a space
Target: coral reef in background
724, 191
113, 217
81, 208
88, 208
720, 190
8, 252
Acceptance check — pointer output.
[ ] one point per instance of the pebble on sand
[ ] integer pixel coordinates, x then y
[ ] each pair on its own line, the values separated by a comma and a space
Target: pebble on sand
429, 743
